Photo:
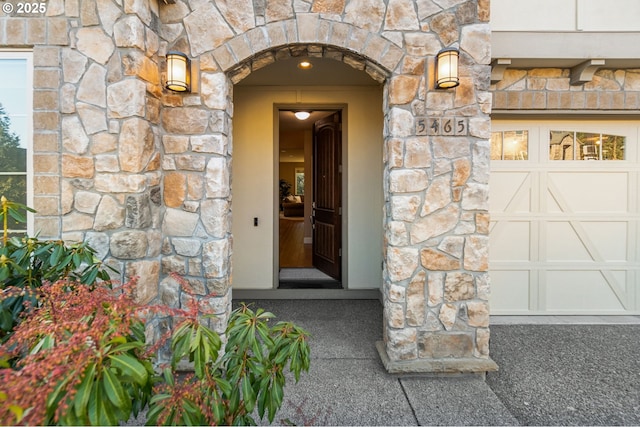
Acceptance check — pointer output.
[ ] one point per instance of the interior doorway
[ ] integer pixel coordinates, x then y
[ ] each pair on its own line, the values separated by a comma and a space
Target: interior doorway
310, 199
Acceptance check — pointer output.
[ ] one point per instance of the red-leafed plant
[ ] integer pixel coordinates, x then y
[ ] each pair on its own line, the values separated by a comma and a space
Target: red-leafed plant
27, 262
82, 359
79, 357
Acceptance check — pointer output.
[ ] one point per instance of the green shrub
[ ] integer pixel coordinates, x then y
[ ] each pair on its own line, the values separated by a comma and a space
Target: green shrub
227, 390
82, 359
79, 355
27, 262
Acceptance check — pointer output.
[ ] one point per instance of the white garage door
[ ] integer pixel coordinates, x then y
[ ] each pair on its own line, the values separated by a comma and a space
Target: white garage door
565, 216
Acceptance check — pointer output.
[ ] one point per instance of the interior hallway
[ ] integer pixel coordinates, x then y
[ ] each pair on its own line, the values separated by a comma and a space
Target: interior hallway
293, 252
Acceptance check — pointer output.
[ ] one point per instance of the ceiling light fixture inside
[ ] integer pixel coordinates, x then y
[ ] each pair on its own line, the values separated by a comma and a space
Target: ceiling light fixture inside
302, 115
305, 65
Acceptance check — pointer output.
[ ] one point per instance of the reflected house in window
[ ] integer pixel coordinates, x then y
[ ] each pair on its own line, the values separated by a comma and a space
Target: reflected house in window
561, 145
571, 145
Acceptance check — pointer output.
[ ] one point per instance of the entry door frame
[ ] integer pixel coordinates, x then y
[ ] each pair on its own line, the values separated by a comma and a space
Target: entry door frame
276, 203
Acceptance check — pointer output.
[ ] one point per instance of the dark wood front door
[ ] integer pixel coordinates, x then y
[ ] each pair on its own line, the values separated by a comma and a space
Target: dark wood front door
327, 200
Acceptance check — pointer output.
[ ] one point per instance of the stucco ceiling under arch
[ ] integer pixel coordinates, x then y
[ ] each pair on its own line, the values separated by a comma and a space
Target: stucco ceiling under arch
325, 72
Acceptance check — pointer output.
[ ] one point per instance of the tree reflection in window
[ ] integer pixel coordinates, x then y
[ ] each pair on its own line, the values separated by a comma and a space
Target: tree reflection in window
15, 109
510, 145
572, 145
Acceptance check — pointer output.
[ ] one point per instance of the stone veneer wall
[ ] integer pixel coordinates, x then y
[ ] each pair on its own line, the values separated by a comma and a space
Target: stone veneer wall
549, 89
96, 107
97, 136
144, 174
436, 284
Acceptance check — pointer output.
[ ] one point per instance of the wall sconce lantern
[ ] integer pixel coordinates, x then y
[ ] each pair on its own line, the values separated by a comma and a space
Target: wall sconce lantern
447, 68
178, 72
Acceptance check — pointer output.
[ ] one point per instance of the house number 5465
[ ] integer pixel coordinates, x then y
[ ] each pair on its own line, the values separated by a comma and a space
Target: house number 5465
447, 126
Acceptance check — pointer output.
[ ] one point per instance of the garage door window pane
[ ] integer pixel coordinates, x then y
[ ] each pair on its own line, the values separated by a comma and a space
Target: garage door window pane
613, 147
510, 145
571, 145
496, 145
588, 146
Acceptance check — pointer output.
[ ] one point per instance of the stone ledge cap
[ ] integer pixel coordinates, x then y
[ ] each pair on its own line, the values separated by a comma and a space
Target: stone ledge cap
435, 366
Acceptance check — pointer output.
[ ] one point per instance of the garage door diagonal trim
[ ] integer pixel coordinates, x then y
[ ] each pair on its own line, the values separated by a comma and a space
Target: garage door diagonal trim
523, 189
587, 243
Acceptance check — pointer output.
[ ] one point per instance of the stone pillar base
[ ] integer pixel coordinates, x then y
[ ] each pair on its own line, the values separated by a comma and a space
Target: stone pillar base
435, 366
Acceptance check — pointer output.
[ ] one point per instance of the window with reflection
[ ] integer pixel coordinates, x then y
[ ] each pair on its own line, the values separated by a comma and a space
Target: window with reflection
15, 111
573, 145
510, 145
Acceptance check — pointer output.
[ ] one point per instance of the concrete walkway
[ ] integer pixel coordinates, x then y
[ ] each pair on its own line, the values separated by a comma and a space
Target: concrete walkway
565, 374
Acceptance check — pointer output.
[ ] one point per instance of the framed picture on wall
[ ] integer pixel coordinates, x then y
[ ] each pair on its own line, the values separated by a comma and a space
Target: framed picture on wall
299, 182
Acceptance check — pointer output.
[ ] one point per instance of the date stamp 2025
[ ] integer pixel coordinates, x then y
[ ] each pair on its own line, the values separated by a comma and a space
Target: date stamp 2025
34, 8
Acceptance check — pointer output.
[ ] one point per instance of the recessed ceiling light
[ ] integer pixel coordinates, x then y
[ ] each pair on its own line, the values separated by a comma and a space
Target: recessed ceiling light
305, 65
302, 115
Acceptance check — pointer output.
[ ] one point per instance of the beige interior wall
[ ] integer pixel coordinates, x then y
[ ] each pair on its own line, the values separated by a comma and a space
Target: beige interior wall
255, 189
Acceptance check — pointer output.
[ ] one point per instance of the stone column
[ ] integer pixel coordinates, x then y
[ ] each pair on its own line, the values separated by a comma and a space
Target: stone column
197, 191
109, 188
436, 286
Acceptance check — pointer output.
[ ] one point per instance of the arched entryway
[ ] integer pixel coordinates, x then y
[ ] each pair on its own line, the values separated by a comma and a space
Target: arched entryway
435, 285
260, 102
